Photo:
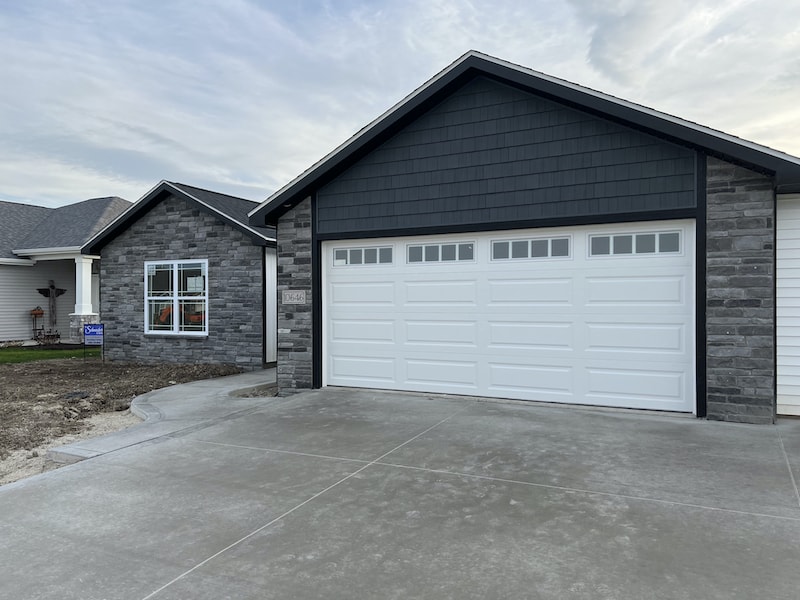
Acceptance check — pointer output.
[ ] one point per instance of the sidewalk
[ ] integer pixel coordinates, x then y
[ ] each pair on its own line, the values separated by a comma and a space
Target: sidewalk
174, 409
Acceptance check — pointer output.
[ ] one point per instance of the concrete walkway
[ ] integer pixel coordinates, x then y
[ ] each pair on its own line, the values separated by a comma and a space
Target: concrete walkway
351, 494
173, 410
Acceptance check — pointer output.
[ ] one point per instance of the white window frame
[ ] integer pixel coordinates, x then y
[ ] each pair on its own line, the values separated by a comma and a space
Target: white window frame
362, 249
457, 260
549, 239
176, 298
657, 252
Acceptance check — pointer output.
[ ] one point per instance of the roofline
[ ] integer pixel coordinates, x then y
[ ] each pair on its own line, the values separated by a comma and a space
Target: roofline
361, 132
17, 262
650, 120
56, 250
123, 216
220, 213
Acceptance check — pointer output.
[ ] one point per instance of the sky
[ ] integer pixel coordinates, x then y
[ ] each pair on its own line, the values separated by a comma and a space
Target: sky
109, 97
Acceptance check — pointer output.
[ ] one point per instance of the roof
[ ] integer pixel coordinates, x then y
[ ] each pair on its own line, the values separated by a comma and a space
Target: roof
73, 225
16, 221
28, 227
786, 168
230, 209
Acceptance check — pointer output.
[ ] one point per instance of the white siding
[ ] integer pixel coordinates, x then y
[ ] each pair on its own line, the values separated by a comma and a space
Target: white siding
271, 304
788, 304
18, 296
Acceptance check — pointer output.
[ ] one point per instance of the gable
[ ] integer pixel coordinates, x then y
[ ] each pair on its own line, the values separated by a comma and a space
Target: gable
493, 155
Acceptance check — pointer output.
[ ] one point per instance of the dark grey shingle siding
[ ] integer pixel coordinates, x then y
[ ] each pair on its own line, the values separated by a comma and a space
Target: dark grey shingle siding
491, 153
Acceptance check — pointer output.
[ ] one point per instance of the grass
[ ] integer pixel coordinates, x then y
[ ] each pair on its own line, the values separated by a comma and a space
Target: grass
30, 353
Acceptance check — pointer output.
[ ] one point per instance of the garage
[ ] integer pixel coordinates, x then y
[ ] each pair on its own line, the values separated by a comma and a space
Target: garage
595, 315
503, 233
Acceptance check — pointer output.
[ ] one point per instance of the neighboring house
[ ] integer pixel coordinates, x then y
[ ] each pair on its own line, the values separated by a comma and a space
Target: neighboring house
39, 245
504, 233
185, 279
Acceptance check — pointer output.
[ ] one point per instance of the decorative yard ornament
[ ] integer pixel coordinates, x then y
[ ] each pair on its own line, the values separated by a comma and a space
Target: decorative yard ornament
51, 293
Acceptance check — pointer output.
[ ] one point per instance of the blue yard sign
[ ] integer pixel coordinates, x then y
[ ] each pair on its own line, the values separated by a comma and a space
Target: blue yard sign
93, 334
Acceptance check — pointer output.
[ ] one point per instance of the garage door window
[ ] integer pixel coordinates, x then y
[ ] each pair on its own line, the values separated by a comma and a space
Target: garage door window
459, 251
362, 256
531, 248
661, 242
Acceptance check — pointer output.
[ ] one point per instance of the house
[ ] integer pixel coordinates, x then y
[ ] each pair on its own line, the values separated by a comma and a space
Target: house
40, 249
504, 233
184, 278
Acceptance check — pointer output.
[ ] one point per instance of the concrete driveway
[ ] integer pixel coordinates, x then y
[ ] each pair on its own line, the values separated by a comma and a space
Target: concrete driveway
356, 494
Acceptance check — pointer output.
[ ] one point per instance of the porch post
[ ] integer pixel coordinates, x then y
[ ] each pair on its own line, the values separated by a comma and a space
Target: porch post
83, 299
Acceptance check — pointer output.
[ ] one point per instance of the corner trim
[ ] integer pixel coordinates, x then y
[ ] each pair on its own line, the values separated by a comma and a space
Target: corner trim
700, 290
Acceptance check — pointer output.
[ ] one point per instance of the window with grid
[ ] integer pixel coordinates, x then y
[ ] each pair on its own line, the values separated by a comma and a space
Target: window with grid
176, 297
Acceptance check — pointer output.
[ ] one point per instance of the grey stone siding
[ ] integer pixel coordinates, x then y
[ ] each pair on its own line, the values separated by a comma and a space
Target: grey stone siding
176, 230
295, 322
740, 305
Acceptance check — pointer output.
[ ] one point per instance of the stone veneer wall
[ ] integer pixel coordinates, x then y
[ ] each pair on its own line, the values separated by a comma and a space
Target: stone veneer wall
295, 321
176, 230
740, 304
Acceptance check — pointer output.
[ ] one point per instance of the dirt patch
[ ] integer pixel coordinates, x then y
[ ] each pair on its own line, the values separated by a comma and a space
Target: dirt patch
44, 401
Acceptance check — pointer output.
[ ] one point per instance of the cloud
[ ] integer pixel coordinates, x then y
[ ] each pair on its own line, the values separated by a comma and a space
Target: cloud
108, 98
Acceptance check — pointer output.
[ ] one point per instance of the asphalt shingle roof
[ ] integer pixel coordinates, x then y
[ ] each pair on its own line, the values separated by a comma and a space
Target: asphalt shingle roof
24, 226
74, 224
16, 222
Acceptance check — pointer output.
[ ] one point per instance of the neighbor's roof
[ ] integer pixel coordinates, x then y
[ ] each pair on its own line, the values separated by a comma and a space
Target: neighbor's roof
16, 222
73, 225
28, 227
230, 209
473, 64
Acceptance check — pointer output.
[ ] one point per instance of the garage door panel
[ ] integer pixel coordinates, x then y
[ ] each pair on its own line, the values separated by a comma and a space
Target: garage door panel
360, 293
442, 333
532, 336
644, 290
613, 331
639, 339
364, 369
439, 293
637, 388
362, 330
442, 373
531, 380
530, 292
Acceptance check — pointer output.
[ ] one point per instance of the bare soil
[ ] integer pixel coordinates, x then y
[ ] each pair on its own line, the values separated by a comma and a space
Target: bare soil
42, 402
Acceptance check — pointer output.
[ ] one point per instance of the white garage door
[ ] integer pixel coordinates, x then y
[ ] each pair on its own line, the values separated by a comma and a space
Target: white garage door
599, 315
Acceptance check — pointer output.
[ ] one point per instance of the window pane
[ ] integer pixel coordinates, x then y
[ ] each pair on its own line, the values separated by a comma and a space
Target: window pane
669, 242
560, 247
645, 243
193, 316
449, 252
190, 279
385, 255
519, 249
356, 256
340, 257
160, 315
500, 250
370, 256
466, 252
159, 280
539, 248
431, 253
601, 245
414, 254
623, 244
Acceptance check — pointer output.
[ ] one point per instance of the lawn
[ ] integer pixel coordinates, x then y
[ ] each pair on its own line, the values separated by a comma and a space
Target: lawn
22, 354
